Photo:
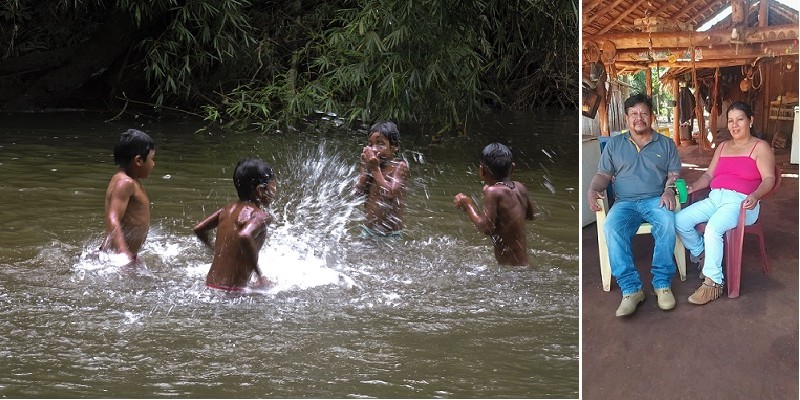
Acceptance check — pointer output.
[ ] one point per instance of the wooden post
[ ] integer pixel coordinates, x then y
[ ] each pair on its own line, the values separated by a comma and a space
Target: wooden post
648, 80
739, 11
602, 109
761, 122
763, 12
676, 112
698, 109
714, 105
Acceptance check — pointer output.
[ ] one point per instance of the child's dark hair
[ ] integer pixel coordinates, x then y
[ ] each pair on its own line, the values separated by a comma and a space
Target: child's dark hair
132, 143
496, 158
388, 130
248, 174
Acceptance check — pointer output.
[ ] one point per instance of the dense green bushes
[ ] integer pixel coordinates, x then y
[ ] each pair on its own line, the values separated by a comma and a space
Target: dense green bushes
268, 64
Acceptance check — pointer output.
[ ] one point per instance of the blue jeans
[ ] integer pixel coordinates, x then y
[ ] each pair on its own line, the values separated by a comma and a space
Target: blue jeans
720, 211
622, 222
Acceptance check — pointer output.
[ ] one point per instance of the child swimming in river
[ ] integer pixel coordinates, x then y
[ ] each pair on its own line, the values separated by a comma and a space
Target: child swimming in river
127, 207
382, 179
506, 206
241, 228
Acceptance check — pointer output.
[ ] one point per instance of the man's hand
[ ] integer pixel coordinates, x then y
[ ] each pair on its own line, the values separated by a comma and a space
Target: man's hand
593, 196
668, 199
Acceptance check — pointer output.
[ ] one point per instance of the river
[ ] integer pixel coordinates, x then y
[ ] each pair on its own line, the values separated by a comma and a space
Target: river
430, 316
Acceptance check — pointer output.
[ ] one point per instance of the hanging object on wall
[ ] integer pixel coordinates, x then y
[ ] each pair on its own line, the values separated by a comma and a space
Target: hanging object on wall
748, 80
745, 84
591, 53
672, 58
609, 52
597, 72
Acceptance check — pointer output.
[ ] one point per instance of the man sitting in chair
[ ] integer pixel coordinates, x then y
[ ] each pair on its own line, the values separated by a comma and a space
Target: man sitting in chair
643, 165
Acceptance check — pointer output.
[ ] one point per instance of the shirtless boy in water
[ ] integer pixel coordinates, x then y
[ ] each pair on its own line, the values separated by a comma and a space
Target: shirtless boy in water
382, 179
241, 228
506, 206
127, 217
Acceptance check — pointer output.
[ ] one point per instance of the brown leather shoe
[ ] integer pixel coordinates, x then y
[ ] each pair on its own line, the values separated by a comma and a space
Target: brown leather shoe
707, 292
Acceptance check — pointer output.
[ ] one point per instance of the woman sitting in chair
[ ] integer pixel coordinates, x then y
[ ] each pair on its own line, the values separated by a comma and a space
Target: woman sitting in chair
740, 173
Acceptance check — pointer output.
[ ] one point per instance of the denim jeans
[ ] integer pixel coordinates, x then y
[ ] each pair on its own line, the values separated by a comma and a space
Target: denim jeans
622, 222
720, 211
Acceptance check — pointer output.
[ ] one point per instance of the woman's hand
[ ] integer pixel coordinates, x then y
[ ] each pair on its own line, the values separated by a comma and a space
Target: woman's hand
750, 202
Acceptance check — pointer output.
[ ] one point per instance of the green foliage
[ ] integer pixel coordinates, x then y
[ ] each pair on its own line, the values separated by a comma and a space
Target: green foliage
428, 61
28, 26
199, 37
661, 94
271, 64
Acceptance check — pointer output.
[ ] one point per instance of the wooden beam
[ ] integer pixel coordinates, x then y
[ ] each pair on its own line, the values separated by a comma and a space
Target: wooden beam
622, 16
713, 53
699, 64
693, 39
714, 6
597, 14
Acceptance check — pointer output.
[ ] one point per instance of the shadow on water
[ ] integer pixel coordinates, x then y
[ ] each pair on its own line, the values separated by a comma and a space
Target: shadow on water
431, 315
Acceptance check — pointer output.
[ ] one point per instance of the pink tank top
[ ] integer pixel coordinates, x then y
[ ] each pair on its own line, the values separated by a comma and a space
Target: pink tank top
739, 173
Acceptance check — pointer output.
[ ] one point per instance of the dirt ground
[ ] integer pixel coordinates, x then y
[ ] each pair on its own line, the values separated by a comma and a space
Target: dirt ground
743, 348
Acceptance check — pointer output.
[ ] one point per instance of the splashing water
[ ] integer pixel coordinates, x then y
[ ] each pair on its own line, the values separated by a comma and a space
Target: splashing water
305, 242
312, 216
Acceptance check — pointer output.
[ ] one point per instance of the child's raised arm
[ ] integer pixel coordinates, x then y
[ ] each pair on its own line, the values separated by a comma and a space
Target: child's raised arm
396, 182
362, 183
485, 221
202, 228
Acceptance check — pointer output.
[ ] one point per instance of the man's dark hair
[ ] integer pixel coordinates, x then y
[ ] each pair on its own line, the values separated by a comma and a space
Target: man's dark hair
388, 130
496, 158
132, 143
248, 174
639, 98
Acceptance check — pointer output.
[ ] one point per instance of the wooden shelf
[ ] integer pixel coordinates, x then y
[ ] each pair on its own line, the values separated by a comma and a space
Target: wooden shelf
782, 113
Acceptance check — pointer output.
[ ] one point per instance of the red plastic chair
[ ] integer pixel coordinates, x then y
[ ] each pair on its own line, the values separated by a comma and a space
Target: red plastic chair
734, 240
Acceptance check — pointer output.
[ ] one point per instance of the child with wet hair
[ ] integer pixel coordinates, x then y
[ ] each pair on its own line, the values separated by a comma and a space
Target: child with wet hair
506, 206
382, 179
241, 228
127, 207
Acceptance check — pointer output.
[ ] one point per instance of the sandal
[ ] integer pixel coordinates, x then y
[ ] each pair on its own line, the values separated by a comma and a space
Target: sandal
707, 292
